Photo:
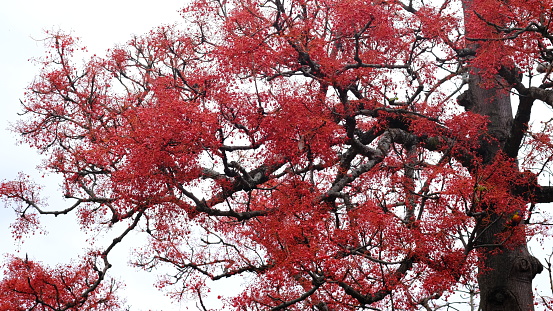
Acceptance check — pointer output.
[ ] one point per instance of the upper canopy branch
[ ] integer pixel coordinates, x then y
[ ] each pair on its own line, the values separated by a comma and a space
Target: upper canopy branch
513, 31
543, 194
367, 299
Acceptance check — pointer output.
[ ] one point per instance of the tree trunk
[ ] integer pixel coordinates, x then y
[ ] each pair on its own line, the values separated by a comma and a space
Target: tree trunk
505, 273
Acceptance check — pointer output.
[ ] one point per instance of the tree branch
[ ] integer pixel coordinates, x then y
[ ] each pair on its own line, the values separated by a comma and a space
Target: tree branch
543, 194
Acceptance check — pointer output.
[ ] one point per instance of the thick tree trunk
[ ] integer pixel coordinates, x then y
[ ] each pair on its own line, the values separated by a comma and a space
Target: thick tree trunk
506, 273
505, 280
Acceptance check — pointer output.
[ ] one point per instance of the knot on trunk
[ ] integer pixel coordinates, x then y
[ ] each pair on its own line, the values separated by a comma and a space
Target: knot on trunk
502, 298
528, 265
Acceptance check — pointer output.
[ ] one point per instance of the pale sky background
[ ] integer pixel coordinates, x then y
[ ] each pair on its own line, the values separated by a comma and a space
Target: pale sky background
100, 24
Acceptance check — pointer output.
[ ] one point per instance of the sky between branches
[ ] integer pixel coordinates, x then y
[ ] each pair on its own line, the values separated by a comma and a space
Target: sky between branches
100, 25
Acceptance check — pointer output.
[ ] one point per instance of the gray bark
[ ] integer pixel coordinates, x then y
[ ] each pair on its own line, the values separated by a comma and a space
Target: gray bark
506, 273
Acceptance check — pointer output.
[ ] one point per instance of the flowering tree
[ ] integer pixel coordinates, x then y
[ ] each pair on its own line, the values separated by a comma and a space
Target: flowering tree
340, 154
29, 286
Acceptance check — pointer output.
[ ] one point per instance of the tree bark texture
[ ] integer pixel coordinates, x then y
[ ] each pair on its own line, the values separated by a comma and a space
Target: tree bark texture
505, 273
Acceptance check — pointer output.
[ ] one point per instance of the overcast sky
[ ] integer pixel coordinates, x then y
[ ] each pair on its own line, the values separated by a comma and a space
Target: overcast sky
100, 24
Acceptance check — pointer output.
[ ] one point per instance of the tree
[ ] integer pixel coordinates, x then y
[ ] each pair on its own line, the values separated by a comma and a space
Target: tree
29, 286
342, 155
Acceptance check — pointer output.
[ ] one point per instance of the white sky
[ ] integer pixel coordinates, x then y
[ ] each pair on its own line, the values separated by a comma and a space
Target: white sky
100, 24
